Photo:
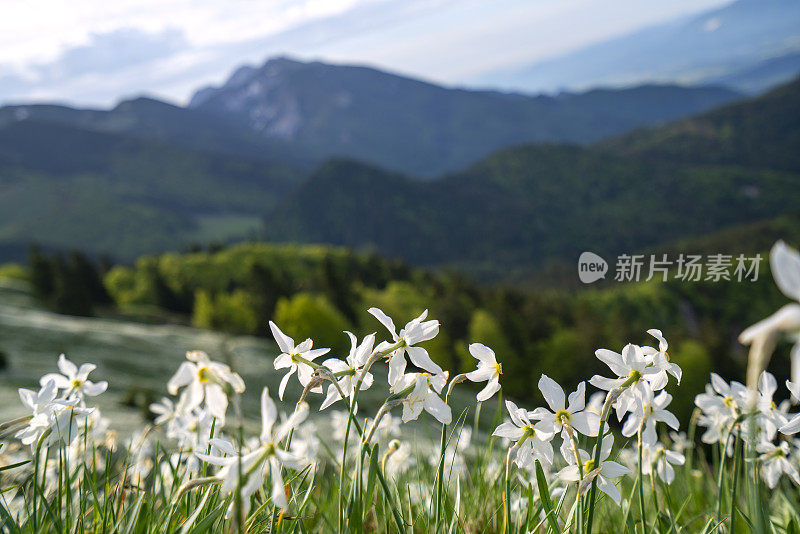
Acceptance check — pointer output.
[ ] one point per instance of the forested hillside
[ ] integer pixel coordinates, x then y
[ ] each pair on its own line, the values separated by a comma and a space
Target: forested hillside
532, 204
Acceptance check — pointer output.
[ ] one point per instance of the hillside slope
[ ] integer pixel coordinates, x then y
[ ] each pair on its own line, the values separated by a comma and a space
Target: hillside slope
151, 120
418, 128
531, 204
763, 132
68, 187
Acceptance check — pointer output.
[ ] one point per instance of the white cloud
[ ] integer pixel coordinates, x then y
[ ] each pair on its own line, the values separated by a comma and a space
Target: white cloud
51, 49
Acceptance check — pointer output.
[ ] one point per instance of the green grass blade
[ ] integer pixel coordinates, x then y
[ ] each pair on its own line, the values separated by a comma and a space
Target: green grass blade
544, 495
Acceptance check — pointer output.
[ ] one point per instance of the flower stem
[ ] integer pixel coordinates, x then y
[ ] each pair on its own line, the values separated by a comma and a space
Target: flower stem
722, 456
352, 420
239, 481
641, 485
611, 397
736, 454
440, 472
574, 442
507, 493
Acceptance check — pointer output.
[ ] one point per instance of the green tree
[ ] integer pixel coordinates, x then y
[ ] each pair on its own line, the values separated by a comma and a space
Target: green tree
41, 273
696, 365
305, 315
228, 312
69, 296
264, 288
86, 274
337, 287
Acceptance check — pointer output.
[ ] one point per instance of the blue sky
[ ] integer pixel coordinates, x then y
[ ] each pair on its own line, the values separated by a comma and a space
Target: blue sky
95, 52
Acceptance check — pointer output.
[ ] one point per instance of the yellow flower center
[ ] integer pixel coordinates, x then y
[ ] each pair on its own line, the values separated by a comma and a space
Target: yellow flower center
563, 416
588, 466
777, 453
499, 368
204, 375
77, 384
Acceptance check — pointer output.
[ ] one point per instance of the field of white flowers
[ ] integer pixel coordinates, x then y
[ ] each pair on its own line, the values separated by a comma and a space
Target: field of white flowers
609, 460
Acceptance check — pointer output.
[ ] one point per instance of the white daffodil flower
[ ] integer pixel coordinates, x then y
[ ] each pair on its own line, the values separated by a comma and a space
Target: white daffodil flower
207, 380
765, 333
794, 387
660, 357
74, 379
717, 429
658, 458
39, 402
785, 266
67, 420
649, 411
608, 470
416, 331
488, 371
194, 433
595, 404
721, 404
532, 440
63, 419
351, 369
424, 396
296, 358
41, 405
680, 442
630, 366
266, 455
774, 462
167, 414
792, 426
771, 417
562, 410
723, 398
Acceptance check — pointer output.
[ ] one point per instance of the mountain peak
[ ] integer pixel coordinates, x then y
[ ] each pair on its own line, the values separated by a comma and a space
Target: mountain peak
243, 76
418, 128
143, 102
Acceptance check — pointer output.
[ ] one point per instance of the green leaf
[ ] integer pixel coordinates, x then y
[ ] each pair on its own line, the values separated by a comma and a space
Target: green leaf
12, 466
205, 524
544, 495
746, 519
8, 521
374, 465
